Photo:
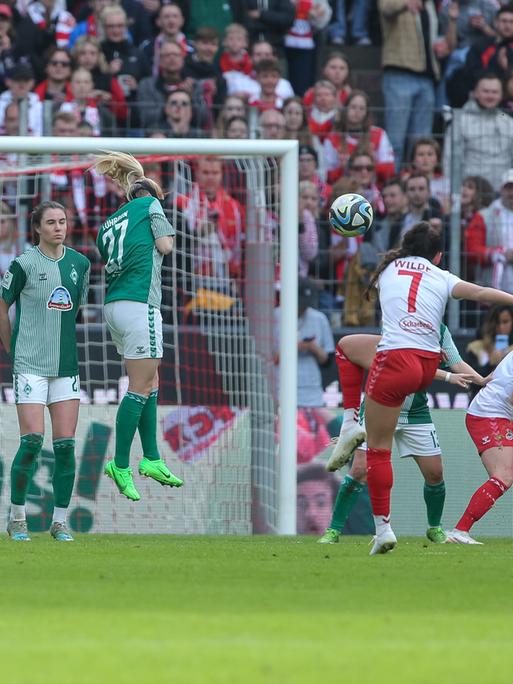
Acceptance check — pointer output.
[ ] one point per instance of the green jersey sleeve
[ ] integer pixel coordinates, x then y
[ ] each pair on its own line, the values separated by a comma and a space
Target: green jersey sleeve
448, 346
13, 282
160, 226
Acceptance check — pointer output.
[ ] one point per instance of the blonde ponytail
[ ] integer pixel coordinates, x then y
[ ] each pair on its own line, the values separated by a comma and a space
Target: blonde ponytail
127, 172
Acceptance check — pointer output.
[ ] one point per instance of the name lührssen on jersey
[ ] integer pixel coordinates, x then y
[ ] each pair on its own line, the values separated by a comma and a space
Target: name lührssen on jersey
111, 221
411, 265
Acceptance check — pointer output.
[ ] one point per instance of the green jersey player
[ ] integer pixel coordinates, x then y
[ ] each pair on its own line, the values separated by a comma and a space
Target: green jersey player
415, 436
48, 283
132, 243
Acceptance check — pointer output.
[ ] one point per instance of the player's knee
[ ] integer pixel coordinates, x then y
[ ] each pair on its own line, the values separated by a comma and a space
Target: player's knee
359, 471
32, 442
434, 476
506, 477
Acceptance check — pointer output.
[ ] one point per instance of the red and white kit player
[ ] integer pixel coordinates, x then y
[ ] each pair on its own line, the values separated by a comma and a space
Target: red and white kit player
413, 294
490, 424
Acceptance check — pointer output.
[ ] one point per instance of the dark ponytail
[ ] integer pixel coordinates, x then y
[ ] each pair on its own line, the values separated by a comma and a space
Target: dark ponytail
423, 240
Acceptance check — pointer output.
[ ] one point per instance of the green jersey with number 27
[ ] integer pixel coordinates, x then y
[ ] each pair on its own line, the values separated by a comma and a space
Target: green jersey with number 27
126, 242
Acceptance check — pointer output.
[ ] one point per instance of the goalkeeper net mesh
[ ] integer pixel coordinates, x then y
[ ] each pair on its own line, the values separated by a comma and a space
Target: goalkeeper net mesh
217, 405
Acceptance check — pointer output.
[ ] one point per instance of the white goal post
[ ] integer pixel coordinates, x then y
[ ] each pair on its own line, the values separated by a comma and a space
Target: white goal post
286, 151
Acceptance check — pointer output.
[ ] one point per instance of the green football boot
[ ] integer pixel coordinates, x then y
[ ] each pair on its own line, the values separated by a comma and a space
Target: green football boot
60, 532
17, 530
123, 480
436, 535
159, 471
330, 536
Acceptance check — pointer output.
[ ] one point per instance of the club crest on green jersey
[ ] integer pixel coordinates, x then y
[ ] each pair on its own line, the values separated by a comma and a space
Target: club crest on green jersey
73, 274
60, 299
7, 280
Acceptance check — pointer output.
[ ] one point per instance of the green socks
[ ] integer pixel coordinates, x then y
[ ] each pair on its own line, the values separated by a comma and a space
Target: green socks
127, 420
148, 427
64, 471
434, 496
346, 498
23, 466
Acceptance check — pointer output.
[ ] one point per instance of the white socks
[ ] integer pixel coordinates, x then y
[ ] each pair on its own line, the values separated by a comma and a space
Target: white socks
382, 523
17, 512
59, 514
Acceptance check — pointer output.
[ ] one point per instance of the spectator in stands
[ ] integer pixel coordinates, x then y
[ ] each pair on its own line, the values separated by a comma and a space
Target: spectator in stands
64, 125
476, 194
387, 229
28, 42
11, 52
170, 21
308, 164
308, 231
353, 130
466, 24
411, 69
299, 42
20, 81
233, 106
83, 104
237, 128
489, 239
212, 209
335, 69
485, 145
126, 62
267, 75
494, 340
426, 159
324, 111
296, 121
52, 17
178, 112
269, 21
235, 56
8, 243
154, 90
246, 85
202, 68
88, 54
271, 125
56, 86
493, 53
359, 23
11, 120
421, 206
362, 168
137, 20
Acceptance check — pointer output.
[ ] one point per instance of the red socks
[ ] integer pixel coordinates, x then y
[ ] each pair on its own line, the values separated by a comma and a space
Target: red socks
481, 502
380, 479
350, 377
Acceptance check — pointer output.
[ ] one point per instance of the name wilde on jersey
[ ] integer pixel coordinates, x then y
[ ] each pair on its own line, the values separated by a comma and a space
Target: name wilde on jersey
414, 324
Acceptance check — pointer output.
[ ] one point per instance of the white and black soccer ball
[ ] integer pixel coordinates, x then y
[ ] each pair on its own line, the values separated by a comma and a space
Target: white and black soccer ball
351, 215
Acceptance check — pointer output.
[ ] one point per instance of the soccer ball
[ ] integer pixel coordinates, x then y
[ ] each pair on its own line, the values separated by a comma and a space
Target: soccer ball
351, 215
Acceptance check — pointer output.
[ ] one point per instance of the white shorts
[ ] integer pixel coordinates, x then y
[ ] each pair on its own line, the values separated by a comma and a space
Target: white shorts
34, 389
415, 440
135, 328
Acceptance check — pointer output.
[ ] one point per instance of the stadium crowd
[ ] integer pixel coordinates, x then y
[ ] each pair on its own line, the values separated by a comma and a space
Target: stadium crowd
276, 69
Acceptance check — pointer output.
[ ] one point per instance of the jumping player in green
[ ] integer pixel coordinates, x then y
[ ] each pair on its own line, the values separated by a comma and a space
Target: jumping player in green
415, 436
49, 283
132, 243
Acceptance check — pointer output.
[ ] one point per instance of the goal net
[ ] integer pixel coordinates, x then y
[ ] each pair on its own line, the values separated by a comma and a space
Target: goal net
232, 203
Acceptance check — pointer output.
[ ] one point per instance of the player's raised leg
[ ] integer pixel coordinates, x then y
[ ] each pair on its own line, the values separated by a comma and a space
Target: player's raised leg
353, 356
350, 489
64, 416
152, 465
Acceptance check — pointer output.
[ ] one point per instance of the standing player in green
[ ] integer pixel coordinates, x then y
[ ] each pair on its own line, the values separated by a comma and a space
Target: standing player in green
415, 436
49, 282
132, 243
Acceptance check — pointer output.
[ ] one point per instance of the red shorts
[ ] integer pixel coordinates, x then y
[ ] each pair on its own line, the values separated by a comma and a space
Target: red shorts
487, 433
395, 373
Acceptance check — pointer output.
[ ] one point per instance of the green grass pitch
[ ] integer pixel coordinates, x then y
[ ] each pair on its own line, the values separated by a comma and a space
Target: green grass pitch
202, 610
